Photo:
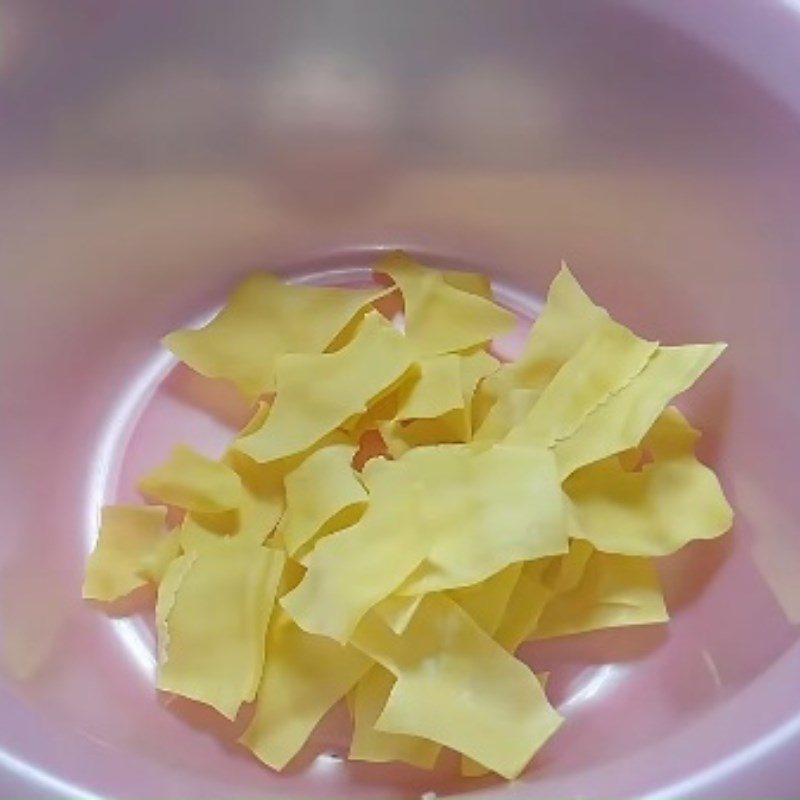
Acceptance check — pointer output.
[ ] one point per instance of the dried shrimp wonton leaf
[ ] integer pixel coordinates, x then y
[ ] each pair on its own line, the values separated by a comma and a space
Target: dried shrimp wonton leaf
487, 602
319, 393
568, 319
609, 359
304, 677
322, 494
370, 744
458, 687
155, 562
457, 514
355, 569
625, 418
264, 319
127, 535
439, 317
484, 510
437, 391
193, 482
613, 591
213, 622
653, 512
261, 504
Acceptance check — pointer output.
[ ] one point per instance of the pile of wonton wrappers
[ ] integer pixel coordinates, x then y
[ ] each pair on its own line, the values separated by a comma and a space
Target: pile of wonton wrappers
403, 511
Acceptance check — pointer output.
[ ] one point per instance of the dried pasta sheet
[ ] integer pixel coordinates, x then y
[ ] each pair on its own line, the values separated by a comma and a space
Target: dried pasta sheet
319, 393
127, 535
304, 677
323, 494
439, 317
397, 610
472, 769
260, 506
259, 417
354, 570
370, 744
507, 412
613, 591
526, 603
264, 319
437, 390
620, 423
609, 359
484, 510
564, 573
212, 614
458, 687
472, 282
155, 562
657, 510
438, 408
193, 482
538, 582
567, 321
487, 602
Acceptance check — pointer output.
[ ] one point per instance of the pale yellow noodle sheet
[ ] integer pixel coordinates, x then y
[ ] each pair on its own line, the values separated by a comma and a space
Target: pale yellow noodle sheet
304, 677
193, 482
127, 535
458, 687
369, 744
320, 491
264, 319
213, 622
656, 511
438, 317
319, 393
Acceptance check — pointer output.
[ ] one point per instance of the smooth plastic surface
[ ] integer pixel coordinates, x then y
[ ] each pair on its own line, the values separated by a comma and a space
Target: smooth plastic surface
153, 153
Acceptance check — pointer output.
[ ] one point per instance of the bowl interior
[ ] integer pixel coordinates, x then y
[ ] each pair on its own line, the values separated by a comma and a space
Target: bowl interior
210, 145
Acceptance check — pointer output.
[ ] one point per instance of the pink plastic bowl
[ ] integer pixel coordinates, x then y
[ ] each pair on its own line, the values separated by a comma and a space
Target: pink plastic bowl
153, 153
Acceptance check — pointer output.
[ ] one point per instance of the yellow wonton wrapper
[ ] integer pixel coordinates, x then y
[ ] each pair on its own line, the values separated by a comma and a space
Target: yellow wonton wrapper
369, 744
613, 591
323, 494
261, 504
468, 514
397, 611
457, 687
156, 561
439, 317
212, 614
525, 605
442, 415
264, 319
319, 393
654, 512
436, 391
354, 570
484, 510
487, 602
568, 319
127, 535
609, 359
472, 769
539, 581
304, 677
263, 407
621, 422
507, 412
472, 282
193, 482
